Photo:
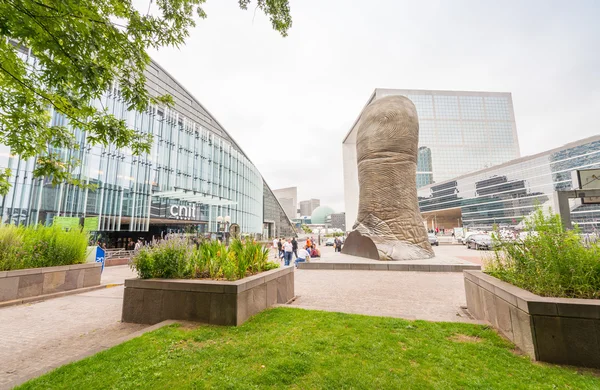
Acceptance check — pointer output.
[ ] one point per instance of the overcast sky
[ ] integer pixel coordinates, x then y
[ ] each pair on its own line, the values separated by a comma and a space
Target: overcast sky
290, 101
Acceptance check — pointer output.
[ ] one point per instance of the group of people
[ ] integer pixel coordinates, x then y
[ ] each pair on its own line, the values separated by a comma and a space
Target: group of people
284, 248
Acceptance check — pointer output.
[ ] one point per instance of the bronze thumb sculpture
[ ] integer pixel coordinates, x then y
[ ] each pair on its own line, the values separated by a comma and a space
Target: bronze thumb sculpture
389, 225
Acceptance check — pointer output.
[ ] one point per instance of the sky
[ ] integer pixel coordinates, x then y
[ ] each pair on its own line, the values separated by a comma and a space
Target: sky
289, 101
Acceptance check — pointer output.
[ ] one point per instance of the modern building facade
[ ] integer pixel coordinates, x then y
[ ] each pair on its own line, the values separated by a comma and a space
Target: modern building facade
308, 206
504, 195
459, 132
276, 222
288, 198
194, 173
337, 221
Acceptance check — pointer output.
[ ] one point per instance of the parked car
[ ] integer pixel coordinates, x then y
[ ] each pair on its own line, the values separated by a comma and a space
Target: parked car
330, 242
433, 240
463, 240
479, 241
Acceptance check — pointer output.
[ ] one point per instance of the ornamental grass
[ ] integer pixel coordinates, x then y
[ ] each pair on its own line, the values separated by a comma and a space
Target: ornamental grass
549, 261
177, 258
40, 246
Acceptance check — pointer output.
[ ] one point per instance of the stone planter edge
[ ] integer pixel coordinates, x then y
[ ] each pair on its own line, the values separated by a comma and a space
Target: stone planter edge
20, 285
555, 330
231, 303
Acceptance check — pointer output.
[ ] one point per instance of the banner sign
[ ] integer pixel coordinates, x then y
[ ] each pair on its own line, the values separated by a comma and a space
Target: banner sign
100, 256
67, 223
90, 224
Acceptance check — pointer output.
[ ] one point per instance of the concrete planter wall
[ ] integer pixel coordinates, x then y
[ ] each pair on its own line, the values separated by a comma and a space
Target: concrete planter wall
149, 301
25, 283
554, 330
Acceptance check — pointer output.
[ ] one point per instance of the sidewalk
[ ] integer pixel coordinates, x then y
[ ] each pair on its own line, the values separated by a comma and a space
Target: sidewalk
39, 335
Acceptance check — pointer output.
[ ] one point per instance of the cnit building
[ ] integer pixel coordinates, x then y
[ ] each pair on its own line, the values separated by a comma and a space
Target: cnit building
459, 132
195, 173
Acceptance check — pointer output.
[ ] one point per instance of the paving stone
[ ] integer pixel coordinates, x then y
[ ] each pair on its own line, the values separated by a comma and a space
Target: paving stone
41, 334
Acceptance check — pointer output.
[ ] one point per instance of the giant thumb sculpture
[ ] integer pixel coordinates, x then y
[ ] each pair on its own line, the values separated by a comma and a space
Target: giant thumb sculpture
389, 224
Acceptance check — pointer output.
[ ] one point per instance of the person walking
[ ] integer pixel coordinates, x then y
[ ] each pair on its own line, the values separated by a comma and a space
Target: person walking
295, 247
280, 249
338, 244
275, 247
288, 250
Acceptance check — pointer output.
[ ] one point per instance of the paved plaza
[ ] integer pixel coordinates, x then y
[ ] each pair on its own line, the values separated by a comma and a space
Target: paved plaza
36, 337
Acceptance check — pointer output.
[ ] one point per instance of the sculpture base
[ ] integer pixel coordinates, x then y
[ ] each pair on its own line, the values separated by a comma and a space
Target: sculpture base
378, 249
362, 246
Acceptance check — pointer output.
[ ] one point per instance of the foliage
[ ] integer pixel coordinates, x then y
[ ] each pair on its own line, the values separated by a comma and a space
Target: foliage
80, 49
40, 246
549, 261
175, 258
306, 229
317, 350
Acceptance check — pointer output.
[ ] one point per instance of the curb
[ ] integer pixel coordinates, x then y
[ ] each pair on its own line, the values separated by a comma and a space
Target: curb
93, 351
56, 295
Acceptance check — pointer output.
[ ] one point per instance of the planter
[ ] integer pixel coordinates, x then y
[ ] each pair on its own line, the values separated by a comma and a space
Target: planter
25, 283
554, 330
149, 301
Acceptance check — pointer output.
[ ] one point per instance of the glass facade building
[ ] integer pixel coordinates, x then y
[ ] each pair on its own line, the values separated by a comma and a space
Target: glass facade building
194, 173
505, 194
462, 131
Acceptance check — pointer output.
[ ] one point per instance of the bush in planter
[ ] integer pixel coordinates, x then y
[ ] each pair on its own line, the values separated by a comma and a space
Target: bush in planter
175, 258
549, 261
40, 246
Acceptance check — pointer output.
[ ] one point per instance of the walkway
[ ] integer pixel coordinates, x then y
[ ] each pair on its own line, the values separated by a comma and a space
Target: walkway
433, 296
37, 336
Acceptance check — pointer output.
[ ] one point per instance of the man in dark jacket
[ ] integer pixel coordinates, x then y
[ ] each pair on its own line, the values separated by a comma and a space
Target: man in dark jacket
295, 247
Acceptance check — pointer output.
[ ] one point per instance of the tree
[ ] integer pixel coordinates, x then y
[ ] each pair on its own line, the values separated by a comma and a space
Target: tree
63, 55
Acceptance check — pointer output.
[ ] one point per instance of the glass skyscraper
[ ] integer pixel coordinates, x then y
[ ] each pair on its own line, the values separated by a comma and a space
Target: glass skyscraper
194, 173
505, 194
464, 131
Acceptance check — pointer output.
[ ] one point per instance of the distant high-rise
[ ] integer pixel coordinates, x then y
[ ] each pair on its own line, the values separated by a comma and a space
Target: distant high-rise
288, 198
308, 206
459, 132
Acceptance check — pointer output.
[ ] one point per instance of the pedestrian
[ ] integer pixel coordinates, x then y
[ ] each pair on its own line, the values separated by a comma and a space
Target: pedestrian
275, 247
338, 244
279, 249
308, 242
288, 250
295, 247
303, 255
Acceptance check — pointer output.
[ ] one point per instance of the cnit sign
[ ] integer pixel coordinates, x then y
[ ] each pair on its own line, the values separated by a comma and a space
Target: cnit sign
182, 212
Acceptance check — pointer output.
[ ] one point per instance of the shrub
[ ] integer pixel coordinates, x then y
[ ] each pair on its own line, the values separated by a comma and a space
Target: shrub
40, 246
175, 258
549, 261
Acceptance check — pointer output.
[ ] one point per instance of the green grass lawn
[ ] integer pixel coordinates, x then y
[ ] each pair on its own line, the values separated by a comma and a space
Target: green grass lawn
303, 349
